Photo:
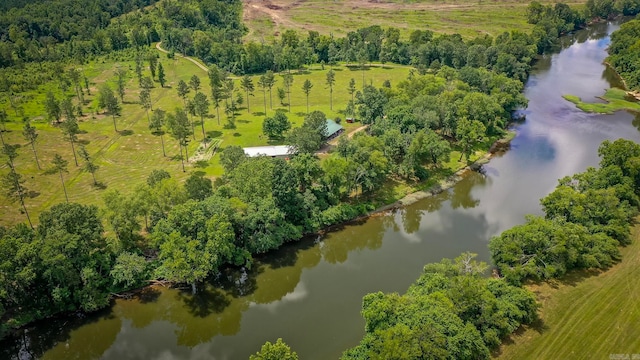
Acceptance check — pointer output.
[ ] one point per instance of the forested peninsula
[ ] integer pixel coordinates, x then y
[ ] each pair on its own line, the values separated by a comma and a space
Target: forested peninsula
459, 98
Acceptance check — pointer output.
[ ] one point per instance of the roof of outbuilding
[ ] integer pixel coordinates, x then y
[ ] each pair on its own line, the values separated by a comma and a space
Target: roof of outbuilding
332, 127
277, 150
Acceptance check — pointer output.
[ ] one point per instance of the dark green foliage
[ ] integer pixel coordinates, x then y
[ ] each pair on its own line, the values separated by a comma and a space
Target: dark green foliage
194, 240
451, 312
156, 176
370, 104
231, 157
129, 270
277, 351
274, 127
587, 218
74, 259
624, 52
198, 187
544, 249
311, 135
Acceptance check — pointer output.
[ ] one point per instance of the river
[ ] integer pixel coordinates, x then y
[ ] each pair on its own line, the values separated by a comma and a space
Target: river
309, 293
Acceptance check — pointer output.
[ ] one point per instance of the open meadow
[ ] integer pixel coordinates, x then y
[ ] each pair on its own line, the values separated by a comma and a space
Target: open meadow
468, 18
127, 157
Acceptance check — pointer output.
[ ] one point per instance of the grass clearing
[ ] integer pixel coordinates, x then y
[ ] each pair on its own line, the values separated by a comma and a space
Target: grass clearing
586, 315
126, 158
466, 17
615, 100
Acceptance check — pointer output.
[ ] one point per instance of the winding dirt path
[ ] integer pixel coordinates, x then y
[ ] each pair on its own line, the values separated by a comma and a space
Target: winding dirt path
198, 64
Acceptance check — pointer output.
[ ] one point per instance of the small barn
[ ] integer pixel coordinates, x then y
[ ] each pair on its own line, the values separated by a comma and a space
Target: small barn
277, 151
333, 129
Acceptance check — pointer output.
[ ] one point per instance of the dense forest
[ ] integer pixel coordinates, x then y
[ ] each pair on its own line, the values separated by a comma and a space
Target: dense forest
624, 53
462, 94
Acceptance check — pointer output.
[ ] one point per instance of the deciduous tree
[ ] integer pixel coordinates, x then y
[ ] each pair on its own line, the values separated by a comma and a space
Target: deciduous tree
274, 127
277, 351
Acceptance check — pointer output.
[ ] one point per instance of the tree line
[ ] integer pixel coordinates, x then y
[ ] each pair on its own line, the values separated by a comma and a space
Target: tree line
212, 30
624, 53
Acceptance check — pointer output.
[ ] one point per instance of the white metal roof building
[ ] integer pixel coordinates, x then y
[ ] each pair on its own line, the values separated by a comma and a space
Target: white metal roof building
272, 151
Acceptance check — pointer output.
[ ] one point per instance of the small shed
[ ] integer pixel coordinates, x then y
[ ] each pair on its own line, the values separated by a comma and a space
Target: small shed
277, 151
333, 129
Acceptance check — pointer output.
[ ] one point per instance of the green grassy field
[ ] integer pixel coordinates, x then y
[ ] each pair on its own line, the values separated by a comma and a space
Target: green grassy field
466, 17
586, 316
616, 99
127, 157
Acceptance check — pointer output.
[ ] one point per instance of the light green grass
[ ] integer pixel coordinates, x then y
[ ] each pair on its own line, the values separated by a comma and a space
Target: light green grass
616, 100
586, 316
126, 161
466, 17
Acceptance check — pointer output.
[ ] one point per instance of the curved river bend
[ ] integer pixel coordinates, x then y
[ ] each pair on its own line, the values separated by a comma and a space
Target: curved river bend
309, 293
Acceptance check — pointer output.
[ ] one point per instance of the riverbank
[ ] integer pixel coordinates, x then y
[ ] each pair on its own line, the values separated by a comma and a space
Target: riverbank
437, 185
585, 314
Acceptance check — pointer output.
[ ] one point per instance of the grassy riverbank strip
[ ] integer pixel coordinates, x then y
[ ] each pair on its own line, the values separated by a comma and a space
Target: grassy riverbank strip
615, 100
585, 315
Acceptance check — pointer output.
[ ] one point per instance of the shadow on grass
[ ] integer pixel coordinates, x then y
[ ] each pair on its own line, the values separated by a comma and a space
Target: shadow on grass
259, 113
83, 142
573, 277
275, 141
301, 113
32, 194
236, 134
100, 185
201, 164
537, 325
214, 134
243, 121
358, 68
127, 132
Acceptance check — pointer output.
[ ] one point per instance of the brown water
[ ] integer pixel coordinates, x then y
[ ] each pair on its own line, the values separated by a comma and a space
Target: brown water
309, 293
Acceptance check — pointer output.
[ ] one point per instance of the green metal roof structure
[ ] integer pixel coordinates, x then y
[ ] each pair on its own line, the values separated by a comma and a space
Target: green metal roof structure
333, 128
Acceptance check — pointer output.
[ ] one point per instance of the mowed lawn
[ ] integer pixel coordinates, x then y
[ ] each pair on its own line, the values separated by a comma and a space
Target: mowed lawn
127, 157
469, 18
586, 316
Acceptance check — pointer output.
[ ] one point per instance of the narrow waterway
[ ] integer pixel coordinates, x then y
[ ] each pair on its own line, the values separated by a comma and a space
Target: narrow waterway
309, 293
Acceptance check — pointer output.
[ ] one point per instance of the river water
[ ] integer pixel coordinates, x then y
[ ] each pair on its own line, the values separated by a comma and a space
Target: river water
309, 293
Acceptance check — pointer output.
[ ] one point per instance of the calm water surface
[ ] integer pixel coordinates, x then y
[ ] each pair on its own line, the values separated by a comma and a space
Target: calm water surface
310, 293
